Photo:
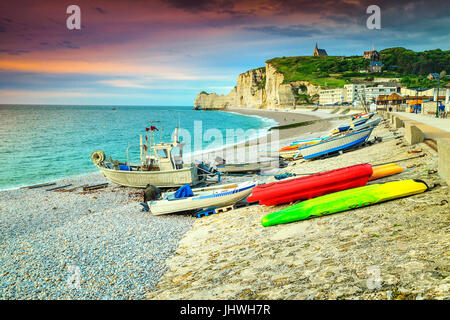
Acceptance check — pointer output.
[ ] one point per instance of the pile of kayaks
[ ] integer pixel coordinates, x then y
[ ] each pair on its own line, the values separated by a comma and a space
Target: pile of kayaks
311, 186
332, 191
345, 200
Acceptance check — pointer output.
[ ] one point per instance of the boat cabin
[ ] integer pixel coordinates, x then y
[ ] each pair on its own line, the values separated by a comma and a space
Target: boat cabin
168, 156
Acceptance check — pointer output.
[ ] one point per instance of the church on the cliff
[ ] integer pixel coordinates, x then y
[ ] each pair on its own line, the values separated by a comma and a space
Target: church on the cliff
319, 52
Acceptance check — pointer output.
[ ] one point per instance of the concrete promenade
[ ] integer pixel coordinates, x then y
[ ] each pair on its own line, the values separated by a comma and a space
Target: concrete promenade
419, 127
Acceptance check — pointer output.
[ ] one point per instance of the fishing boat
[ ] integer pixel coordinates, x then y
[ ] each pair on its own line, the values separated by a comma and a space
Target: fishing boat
345, 200
340, 143
249, 167
209, 197
160, 165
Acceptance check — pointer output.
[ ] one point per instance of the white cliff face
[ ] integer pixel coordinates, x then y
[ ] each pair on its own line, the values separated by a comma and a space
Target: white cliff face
258, 88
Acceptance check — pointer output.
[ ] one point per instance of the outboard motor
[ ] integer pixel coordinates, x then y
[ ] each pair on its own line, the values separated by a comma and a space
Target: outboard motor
151, 193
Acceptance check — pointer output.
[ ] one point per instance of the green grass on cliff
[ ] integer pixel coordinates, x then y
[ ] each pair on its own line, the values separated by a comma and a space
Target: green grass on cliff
329, 72
317, 70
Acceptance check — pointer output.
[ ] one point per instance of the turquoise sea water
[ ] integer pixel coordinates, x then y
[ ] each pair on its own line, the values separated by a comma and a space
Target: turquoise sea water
44, 143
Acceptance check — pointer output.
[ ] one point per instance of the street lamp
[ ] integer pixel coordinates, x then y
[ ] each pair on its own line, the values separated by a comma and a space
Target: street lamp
437, 77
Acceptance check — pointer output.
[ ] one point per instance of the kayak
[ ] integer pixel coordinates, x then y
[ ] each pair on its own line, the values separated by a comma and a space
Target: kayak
386, 170
311, 186
345, 200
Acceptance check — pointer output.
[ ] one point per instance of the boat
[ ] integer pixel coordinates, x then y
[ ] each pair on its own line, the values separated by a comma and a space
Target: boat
345, 200
385, 170
311, 186
353, 124
249, 167
208, 197
335, 144
299, 144
367, 124
288, 155
364, 115
160, 166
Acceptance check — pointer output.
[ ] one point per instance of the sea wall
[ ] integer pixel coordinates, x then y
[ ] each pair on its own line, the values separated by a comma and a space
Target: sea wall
259, 88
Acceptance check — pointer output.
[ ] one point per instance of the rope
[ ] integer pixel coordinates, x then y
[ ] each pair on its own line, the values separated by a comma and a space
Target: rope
381, 164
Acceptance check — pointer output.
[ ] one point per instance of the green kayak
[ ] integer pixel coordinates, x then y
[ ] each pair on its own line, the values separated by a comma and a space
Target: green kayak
345, 200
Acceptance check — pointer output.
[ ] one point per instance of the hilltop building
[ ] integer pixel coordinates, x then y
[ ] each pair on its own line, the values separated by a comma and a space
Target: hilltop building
371, 55
319, 52
375, 66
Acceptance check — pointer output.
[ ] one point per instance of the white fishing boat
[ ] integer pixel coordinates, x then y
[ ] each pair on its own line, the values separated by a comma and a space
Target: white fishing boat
335, 144
209, 197
160, 166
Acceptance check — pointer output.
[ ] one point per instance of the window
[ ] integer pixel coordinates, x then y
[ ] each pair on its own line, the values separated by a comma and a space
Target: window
162, 153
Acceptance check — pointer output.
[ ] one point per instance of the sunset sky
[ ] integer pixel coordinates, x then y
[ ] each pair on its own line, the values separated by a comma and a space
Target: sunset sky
165, 52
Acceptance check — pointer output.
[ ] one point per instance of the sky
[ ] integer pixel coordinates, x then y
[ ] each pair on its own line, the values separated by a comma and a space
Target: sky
152, 52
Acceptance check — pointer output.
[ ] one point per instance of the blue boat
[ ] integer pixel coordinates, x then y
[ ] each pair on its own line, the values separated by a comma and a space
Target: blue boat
331, 145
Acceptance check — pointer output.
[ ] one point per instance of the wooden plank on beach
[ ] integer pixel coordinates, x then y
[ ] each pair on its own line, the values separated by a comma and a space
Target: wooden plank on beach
39, 186
60, 187
96, 186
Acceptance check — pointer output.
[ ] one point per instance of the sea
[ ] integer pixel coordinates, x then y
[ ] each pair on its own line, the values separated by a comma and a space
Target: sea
43, 143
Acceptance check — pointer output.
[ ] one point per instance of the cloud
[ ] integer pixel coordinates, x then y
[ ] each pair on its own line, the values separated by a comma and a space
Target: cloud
297, 31
100, 10
14, 52
125, 84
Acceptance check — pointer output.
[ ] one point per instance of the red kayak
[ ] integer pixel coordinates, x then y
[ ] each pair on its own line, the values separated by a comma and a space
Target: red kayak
311, 186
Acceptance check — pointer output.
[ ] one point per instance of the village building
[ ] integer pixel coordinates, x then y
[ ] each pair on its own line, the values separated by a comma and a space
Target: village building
354, 94
371, 55
375, 66
319, 52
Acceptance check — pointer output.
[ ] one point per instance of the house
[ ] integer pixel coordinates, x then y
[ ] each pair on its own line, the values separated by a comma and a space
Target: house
375, 66
371, 55
319, 52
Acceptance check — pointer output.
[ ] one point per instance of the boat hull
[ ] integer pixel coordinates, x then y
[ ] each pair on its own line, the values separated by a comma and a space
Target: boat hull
336, 144
162, 179
345, 200
222, 199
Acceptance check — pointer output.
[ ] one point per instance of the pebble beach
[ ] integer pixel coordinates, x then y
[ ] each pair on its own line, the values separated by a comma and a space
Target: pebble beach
397, 250
75, 244
82, 245
98, 244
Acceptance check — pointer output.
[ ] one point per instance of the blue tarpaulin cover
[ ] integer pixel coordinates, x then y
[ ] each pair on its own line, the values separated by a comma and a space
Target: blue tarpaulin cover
183, 192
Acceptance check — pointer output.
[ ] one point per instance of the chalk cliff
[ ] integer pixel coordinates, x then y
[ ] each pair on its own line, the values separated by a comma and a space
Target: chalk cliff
260, 88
